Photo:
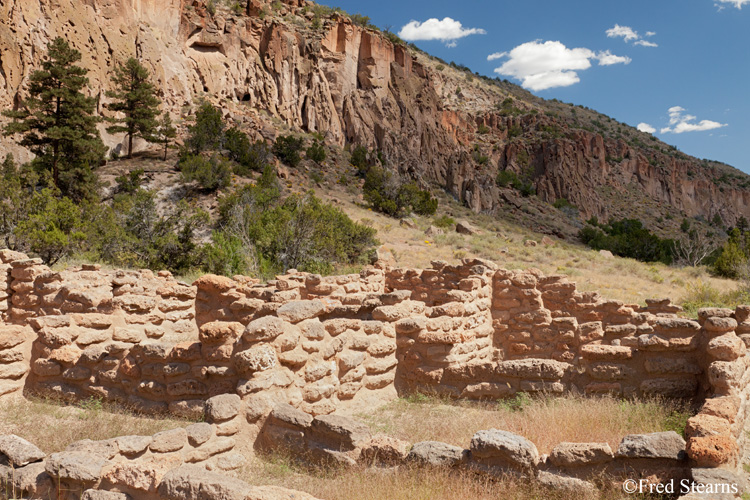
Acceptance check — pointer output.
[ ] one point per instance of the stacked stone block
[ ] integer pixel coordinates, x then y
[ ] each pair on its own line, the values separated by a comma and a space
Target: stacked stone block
443, 322
134, 467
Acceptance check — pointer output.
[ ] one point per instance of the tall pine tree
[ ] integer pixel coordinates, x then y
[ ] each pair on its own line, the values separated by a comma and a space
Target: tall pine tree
57, 122
134, 97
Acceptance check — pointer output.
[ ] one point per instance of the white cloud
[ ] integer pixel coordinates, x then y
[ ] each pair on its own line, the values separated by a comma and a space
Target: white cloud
544, 65
736, 3
448, 30
680, 122
645, 127
607, 58
625, 32
628, 34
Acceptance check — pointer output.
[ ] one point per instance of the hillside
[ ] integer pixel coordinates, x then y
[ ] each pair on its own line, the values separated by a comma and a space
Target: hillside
307, 68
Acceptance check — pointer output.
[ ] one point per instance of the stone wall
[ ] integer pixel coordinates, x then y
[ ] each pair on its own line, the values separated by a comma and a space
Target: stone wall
172, 465
469, 330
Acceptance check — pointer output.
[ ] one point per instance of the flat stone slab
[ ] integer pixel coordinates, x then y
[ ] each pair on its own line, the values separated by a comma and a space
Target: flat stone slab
668, 445
76, 466
437, 453
19, 451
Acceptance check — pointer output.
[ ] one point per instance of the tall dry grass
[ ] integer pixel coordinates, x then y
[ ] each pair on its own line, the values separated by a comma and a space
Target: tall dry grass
546, 421
402, 483
52, 426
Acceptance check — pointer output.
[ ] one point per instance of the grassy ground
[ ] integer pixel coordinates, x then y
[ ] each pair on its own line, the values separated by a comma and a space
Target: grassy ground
404, 483
52, 426
546, 421
504, 243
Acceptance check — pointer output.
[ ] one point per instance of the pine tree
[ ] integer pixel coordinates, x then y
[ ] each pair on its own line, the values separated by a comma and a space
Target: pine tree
135, 97
57, 122
165, 132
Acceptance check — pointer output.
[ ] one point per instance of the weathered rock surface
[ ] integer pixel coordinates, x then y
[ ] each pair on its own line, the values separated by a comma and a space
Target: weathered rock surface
437, 453
19, 451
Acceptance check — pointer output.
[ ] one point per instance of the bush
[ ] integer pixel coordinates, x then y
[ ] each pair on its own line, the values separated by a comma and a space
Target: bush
444, 221
316, 152
628, 238
287, 148
524, 184
211, 174
207, 131
301, 232
130, 182
387, 193
359, 160
515, 131
249, 157
733, 259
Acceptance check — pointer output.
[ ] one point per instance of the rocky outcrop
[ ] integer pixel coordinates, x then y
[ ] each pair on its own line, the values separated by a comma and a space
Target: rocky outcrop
354, 86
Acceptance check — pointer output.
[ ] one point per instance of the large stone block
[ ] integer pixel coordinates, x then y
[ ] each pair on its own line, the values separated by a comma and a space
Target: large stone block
505, 449
546, 369
570, 455
76, 466
300, 310
339, 432
668, 445
437, 454
19, 451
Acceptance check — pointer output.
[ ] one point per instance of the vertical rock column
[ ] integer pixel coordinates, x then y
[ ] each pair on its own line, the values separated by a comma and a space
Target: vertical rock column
715, 434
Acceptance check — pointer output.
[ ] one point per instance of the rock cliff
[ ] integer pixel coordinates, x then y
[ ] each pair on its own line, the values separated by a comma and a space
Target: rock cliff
268, 65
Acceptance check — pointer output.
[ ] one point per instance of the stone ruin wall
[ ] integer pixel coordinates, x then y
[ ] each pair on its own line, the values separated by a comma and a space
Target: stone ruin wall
470, 331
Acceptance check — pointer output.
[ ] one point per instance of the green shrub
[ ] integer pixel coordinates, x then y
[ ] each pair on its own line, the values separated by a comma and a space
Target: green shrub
361, 21
211, 174
733, 259
287, 149
444, 221
249, 157
483, 129
300, 232
562, 203
359, 160
506, 178
207, 131
388, 194
316, 152
628, 238
130, 182
514, 131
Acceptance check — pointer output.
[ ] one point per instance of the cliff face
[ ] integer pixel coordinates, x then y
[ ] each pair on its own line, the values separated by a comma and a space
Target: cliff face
353, 86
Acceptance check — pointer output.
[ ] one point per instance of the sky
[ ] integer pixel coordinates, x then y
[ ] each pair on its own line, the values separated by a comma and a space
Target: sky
676, 68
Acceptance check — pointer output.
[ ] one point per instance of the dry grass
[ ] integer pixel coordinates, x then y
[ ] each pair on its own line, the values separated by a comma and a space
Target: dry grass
546, 421
403, 483
52, 426
503, 242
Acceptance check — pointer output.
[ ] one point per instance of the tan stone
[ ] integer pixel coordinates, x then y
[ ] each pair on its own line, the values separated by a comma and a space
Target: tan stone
712, 451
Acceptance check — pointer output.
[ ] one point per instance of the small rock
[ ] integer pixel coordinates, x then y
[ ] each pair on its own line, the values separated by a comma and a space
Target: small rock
222, 407
132, 445
558, 482
384, 450
168, 441
199, 433
463, 227
606, 254
437, 453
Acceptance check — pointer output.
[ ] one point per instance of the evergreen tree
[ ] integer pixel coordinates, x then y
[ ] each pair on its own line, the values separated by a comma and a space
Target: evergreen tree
207, 132
135, 97
57, 122
165, 132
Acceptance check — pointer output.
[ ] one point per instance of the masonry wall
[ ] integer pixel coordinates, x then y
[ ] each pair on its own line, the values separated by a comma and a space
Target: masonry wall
470, 330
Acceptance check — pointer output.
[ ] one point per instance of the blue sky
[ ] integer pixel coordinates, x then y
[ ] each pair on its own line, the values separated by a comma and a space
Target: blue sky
679, 67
